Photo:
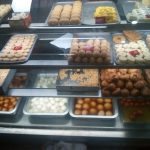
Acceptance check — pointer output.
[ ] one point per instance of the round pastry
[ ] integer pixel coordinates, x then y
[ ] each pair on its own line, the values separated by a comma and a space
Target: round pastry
92, 60
125, 92
99, 60
85, 60
116, 92
112, 86
129, 85
118, 39
120, 84
146, 91
77, 59
96, 53
122, 60
135, 92
139, 84
106, 92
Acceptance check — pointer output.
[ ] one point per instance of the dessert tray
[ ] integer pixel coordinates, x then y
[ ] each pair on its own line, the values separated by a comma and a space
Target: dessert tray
130, 48
65, 13
136, 12
74, 80
89, 9
91, 48
18, 48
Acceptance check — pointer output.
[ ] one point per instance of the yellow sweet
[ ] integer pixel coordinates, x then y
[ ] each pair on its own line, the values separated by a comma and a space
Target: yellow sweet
108, 12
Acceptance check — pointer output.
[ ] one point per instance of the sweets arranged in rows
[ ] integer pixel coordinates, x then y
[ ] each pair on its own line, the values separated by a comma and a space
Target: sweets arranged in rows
131, 48
93, 106
18, 48
123, 82
47, 105
90, 51
65, 14
4, 10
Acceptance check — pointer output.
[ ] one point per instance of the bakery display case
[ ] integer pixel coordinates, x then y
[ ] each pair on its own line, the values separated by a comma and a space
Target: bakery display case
79, 72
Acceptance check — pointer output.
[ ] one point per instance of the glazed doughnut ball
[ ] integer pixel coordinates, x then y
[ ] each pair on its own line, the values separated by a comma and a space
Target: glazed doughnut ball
100, 107
93, 111
101, 113
108, 113
77, 112
107, 106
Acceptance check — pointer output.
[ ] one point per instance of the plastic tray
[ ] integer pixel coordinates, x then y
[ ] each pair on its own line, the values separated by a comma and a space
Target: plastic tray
13, 112
18, 62
87, 36
67, 85
89, 9
20, 23
128, 6
71, 112
25, 111
60, 3
47, 75
126, 42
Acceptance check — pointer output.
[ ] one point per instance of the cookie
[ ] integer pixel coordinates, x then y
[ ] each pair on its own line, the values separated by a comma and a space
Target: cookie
118, 39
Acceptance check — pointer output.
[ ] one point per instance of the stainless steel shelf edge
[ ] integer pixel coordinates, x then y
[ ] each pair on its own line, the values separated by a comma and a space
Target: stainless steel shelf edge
64, 64
49, 92
77, 133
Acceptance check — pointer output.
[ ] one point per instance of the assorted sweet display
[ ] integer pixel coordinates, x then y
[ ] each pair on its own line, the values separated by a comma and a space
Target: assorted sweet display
105, 14
19, 81
8, 104
4, 10
123, 82
131, 48
47, 105
139, 13
18, 48
93, 106
135, 110
45, 81
66, 14
90, 51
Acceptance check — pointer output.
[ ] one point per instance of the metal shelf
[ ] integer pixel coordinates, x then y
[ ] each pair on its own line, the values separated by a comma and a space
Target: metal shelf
59, 64
69, 127
51, 93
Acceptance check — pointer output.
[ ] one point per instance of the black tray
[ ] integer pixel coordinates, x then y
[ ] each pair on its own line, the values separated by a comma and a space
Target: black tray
68, 85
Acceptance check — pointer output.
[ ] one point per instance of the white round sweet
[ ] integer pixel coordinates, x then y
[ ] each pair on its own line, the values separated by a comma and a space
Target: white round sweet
47, 105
